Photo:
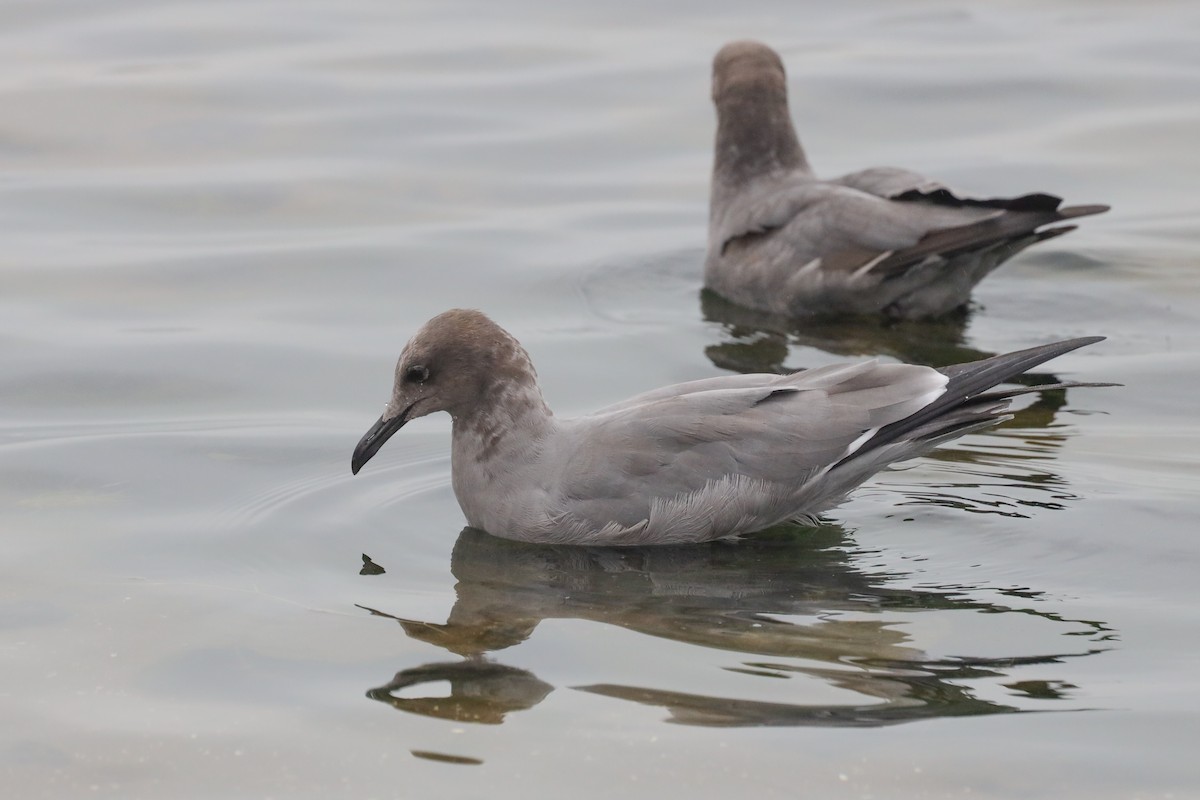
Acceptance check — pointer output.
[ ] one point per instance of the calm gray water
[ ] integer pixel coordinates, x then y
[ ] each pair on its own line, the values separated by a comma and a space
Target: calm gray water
221, 222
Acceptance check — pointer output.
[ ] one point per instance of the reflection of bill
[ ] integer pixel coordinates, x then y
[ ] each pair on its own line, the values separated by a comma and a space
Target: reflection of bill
783, 599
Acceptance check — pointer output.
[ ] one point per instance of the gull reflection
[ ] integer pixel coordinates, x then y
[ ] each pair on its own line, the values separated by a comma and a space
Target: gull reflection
791, 602
759, 342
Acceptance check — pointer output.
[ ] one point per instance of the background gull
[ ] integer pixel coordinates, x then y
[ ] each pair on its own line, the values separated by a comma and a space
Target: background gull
883, 240
686, 463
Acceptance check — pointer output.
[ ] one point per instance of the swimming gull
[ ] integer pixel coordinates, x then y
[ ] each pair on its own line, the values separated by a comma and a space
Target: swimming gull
880, 241
692, 462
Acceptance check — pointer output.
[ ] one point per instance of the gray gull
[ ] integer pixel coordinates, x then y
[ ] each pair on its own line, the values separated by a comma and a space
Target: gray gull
693, 462
880, 241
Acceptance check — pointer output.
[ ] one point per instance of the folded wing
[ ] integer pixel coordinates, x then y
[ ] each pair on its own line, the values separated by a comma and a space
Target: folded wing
745, 451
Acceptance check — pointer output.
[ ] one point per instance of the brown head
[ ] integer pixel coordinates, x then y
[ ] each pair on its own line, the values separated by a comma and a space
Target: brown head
754, 128
460, 362
748, 66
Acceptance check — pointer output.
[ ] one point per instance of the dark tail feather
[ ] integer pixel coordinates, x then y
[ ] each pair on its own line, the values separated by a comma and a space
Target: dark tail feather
973, 377
967, 392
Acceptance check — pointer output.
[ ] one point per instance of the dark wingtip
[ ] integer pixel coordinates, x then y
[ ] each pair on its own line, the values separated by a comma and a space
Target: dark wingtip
1082, 341
968, 384
1032, 356
1035, 201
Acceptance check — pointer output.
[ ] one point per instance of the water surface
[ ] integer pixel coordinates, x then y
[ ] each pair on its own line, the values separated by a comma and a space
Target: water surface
223, 220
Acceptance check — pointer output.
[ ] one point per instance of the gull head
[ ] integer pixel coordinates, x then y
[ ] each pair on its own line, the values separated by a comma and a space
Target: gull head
457, 362
755, 136
747, 67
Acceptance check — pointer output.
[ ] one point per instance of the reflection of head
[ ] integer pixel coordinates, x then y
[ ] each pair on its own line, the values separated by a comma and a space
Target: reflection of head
479, 691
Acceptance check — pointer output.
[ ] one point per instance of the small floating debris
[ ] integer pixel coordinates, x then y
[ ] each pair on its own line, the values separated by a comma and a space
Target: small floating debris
446, 758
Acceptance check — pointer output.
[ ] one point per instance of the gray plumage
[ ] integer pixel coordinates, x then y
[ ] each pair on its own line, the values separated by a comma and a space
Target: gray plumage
686, 463
880, 241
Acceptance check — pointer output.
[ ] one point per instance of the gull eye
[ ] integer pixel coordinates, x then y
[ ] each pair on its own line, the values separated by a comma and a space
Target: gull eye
417, 373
